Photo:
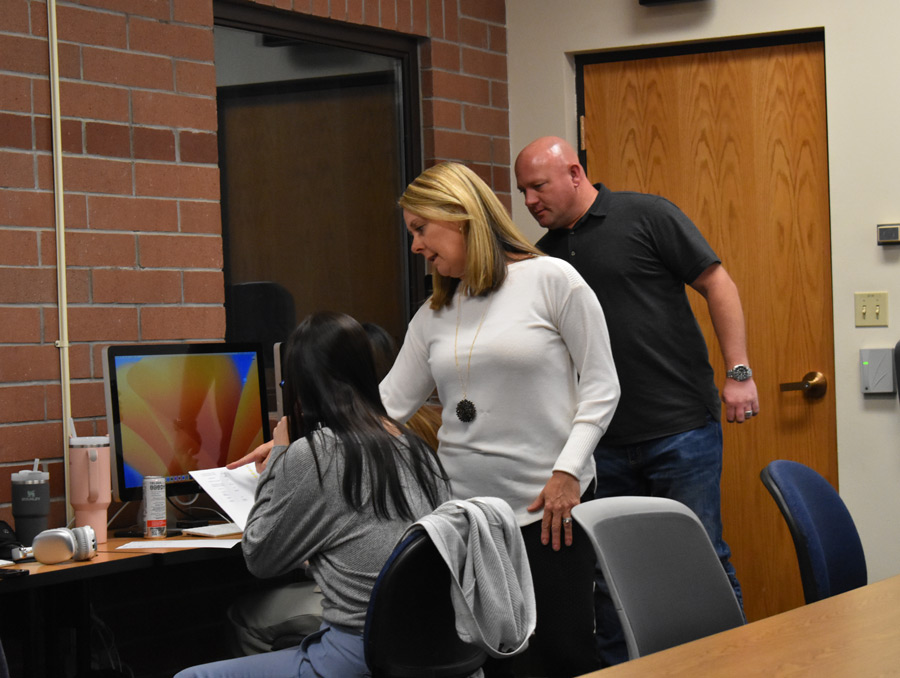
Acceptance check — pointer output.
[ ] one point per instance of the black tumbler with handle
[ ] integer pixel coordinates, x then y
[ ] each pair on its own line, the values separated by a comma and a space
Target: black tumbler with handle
30, 503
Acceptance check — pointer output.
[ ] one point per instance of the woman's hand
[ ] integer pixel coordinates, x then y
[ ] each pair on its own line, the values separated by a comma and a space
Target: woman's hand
260, 455
280, 436
559, 495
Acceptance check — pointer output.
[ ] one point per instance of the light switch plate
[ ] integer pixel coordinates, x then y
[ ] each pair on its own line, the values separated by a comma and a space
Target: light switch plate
871, 309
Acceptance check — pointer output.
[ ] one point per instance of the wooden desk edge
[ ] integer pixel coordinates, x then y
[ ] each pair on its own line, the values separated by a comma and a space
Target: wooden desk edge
108, 553
871, 611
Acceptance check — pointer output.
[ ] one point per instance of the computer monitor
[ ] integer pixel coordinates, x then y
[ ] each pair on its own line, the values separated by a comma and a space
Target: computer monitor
175, 408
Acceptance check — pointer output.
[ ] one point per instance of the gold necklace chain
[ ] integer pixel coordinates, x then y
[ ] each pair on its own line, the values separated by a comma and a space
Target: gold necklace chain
465, 408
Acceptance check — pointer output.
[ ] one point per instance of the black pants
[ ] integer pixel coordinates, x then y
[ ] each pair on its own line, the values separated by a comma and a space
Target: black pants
563, 643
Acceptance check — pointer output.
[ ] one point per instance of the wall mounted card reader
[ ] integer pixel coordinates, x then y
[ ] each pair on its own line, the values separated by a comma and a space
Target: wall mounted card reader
876, 370
888, 234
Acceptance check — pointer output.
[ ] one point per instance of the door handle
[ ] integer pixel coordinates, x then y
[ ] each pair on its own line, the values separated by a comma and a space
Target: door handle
814, 385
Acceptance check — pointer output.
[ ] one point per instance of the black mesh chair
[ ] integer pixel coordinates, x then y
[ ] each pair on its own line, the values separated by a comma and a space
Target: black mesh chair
410, 627
828, 547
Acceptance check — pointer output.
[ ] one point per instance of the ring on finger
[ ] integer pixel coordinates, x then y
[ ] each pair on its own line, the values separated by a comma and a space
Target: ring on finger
567, 521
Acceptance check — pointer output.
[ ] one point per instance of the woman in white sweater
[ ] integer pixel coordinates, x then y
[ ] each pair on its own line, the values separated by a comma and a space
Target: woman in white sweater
517, 347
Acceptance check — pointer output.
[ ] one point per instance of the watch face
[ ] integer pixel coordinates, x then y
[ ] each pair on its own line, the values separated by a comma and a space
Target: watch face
740, 373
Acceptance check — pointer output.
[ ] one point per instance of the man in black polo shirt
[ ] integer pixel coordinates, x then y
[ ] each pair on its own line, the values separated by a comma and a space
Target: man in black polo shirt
637, 252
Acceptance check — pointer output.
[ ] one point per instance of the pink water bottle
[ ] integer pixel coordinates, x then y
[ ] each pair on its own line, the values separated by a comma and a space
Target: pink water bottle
89, 482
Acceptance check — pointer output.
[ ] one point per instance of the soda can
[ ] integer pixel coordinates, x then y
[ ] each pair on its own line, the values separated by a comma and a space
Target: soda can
154, 507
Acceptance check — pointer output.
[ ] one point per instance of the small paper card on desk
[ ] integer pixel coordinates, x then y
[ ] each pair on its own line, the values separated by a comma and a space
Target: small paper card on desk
232, 489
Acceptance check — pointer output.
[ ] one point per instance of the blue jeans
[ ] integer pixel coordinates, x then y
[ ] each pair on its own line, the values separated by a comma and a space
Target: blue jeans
686, 467
330, 651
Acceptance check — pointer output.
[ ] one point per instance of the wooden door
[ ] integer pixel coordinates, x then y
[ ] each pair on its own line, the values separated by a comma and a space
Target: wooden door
737, 139
311, 172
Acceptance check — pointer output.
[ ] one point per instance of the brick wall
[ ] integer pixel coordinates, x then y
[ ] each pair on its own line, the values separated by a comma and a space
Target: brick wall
143, 229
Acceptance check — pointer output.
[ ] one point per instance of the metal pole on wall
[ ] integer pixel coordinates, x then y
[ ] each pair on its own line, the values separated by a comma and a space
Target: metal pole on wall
59, 201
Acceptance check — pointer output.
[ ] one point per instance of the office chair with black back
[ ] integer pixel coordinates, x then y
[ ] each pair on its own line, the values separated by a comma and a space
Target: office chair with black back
4, 669
828, 547
897, 368
667, 583
410, 627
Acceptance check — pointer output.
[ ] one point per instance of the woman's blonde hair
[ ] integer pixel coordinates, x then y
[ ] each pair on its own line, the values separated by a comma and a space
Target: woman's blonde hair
452, 192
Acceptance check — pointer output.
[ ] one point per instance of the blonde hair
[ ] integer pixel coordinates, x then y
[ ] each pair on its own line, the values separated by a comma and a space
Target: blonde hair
425, 423
452, 192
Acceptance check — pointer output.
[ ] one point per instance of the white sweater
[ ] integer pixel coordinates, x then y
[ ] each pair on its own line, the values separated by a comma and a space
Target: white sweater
542, 329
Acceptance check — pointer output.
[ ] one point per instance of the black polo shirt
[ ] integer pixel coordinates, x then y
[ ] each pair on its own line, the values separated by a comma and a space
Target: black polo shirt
637, 252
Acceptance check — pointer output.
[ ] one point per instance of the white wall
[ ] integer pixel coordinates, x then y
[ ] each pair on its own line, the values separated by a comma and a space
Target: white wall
862, 66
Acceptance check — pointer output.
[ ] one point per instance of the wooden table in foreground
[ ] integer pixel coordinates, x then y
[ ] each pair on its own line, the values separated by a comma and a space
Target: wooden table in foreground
853, 634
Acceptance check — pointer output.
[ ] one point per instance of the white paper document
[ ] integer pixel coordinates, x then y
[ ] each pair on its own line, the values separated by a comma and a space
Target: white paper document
232, 489
180, 544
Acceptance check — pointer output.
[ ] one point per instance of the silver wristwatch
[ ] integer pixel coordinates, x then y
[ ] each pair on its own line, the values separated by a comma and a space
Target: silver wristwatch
739, 373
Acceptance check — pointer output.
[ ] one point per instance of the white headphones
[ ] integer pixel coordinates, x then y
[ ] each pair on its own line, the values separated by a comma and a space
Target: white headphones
61, 543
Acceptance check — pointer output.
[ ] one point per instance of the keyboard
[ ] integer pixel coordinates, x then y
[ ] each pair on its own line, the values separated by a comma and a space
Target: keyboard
218, 530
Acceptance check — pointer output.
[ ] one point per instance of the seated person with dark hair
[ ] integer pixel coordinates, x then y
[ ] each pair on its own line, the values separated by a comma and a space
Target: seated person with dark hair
279, 616
338, 487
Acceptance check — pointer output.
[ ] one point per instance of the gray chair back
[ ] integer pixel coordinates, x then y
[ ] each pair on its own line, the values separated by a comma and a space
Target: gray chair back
664, 576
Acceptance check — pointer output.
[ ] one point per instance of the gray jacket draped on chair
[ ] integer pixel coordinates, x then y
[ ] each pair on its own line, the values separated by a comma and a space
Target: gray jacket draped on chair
492, 590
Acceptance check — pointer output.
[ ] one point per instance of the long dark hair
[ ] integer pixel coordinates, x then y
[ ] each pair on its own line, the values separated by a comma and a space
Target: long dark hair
330, 382
384, 349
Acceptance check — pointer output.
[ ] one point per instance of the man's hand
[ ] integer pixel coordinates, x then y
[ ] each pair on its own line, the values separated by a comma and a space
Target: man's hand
741, 401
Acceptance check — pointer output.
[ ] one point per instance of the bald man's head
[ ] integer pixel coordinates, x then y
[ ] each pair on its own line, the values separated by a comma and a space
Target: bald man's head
553, 183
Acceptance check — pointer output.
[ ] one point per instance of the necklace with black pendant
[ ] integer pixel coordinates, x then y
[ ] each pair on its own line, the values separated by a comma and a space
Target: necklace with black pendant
465, 408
